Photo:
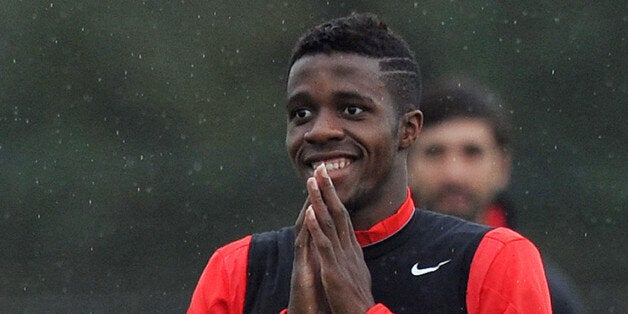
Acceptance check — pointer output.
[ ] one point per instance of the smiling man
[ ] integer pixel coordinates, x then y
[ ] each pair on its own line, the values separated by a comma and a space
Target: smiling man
359, 245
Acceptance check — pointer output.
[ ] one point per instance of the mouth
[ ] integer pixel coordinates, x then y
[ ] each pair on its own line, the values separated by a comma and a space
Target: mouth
332, 164
454, 200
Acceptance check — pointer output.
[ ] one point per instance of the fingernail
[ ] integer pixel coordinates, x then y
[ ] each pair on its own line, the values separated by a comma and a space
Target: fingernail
319, 168
325, 174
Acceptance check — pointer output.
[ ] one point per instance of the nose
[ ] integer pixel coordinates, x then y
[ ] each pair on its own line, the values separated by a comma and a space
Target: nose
453, 169
325, 127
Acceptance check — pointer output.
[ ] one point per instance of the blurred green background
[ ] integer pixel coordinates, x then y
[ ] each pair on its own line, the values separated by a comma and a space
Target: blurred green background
138, 136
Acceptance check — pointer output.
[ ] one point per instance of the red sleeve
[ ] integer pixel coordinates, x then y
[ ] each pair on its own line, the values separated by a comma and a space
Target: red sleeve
222, 285
507, 276
379, 309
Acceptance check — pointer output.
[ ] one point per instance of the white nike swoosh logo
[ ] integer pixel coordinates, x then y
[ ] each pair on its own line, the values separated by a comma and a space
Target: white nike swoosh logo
418, 272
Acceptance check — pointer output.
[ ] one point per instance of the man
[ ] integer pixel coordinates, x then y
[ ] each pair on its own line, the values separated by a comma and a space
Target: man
460, 165
358, 244
462, 159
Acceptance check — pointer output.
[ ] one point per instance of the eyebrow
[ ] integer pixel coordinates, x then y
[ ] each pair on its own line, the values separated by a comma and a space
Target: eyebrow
339, 95
351, 95
304, 96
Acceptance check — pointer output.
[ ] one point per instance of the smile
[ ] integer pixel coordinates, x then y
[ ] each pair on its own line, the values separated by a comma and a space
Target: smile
333, 164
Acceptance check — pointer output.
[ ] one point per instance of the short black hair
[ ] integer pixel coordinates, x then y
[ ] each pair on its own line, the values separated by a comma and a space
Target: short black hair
461, 97
364, 34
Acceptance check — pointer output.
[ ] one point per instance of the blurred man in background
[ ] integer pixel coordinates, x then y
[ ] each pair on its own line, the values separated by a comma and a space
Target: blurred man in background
460, 165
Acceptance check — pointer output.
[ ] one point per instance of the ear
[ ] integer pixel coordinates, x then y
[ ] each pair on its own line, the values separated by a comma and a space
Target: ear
411, 124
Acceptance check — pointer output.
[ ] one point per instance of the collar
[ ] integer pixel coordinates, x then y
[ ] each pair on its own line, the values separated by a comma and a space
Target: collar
388, 226
495, 216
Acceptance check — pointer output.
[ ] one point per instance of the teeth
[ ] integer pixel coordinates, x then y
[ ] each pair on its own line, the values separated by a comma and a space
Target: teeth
335, 165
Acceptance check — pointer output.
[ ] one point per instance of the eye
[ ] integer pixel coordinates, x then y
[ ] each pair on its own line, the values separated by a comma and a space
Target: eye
434, 151
301, 113
353, 110
473, 151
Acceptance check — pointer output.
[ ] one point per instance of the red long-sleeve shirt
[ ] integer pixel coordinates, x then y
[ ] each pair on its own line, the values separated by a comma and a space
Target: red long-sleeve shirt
506, 274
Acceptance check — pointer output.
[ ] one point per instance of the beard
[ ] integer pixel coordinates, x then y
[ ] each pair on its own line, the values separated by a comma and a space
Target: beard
455, 200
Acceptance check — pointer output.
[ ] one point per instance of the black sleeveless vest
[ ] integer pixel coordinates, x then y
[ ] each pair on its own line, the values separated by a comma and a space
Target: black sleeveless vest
405, 271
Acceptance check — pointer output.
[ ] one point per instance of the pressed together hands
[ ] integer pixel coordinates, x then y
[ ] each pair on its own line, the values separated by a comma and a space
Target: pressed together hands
329, 274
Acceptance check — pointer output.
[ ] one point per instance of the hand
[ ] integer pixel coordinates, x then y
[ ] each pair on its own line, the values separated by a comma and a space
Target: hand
306, 288
345, 278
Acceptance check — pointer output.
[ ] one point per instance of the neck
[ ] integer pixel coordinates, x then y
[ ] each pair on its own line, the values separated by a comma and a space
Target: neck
380, 205
365, 219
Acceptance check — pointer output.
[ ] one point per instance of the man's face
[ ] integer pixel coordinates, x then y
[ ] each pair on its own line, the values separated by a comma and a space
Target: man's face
340, 114
457, 168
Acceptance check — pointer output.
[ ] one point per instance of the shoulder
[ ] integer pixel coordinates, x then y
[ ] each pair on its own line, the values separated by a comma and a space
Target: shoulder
434, 232
504, 235
507, 274
277, 243
507, 246
222, 284
273, 236
507, 243
440, 225
258, 243
241, 246
234, 250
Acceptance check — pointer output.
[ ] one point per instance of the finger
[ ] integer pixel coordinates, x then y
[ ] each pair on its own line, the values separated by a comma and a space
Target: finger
319, 206
337, 210
321, 242
301, 240
305, 284
299, 222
